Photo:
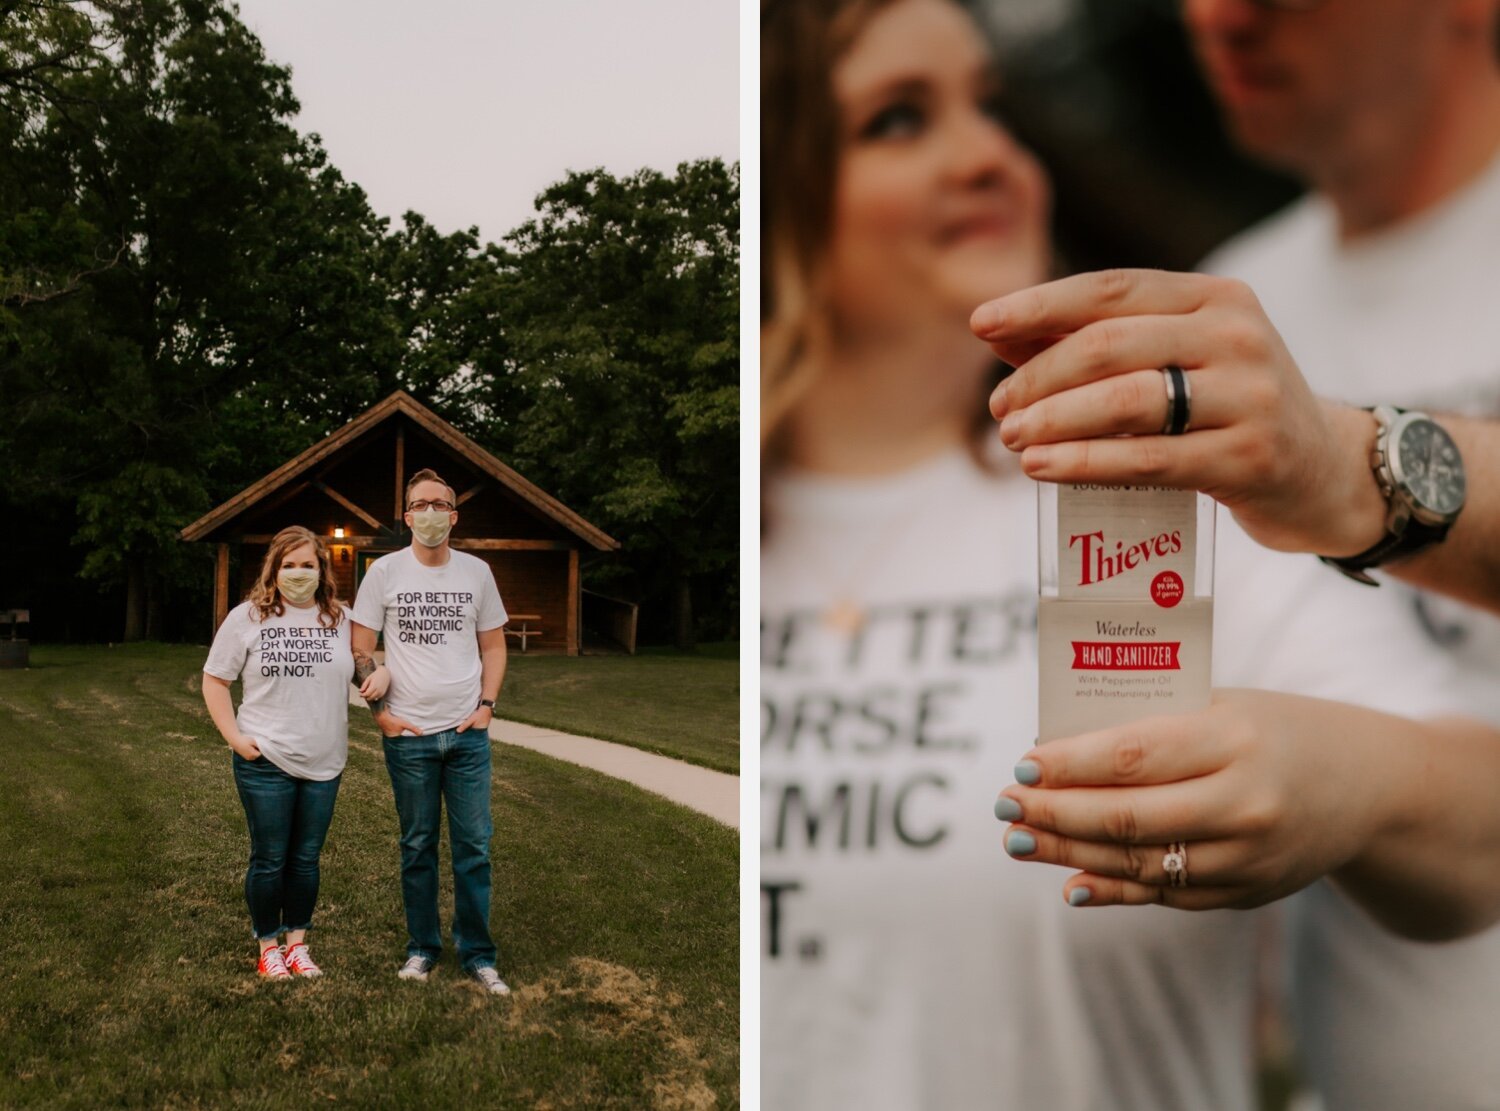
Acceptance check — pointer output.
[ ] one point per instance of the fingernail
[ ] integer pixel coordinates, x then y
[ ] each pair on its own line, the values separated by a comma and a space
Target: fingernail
1010, 428
1078, 896
986, 319
1020, 843
999, 401
1035, 459
1028, 773
1007, 809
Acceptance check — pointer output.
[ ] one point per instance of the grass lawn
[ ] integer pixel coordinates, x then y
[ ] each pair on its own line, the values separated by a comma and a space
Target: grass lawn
678, 704
126, 968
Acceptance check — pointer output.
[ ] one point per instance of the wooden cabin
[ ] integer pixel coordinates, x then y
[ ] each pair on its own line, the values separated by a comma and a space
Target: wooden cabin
350, 488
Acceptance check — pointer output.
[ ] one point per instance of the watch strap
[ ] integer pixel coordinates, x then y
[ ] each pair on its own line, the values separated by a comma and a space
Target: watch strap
490, 702
1390, 546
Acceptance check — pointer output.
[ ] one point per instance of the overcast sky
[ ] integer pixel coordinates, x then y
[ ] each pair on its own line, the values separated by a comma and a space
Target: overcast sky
464, 111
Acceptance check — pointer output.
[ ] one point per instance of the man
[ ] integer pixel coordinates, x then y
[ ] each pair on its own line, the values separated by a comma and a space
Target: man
1382, 279
445, 648
1382, 283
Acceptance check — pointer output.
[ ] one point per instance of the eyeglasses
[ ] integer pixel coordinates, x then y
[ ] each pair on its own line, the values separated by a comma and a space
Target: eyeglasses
443, 506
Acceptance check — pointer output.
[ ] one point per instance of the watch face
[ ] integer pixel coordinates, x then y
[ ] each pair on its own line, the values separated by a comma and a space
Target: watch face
1431, 470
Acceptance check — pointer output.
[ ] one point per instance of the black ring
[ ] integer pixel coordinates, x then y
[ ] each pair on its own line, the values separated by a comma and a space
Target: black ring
1179, 401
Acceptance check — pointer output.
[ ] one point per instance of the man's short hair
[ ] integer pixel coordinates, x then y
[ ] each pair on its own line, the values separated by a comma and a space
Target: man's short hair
427, 474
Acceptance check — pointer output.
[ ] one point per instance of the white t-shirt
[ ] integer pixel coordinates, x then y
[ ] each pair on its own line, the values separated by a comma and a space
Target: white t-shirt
430, 617
1408, 317
908, 962
296, 676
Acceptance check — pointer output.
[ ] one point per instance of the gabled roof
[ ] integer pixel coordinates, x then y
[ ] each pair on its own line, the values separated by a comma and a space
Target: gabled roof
403, 403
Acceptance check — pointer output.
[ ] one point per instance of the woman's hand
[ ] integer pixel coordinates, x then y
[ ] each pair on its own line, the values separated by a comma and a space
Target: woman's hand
245, 746
375, 684
1088, 403
1269, 792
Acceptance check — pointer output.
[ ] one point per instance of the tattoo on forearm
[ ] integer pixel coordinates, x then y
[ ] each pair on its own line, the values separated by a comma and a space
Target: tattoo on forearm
364, 667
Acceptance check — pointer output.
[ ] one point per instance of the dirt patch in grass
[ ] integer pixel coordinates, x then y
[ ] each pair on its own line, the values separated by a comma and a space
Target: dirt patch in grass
617, 1003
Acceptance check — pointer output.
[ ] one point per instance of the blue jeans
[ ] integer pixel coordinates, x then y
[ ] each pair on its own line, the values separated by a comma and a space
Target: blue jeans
288, 819
426, 772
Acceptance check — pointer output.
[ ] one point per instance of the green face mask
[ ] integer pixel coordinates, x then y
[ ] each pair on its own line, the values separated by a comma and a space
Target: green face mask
431, 526
297, 584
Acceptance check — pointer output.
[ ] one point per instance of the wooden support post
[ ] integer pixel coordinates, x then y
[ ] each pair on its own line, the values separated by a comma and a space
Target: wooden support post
574, 600
400, 474
221, 585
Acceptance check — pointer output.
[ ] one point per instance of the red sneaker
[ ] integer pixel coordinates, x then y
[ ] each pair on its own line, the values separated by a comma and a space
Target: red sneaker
300, 961
272, 964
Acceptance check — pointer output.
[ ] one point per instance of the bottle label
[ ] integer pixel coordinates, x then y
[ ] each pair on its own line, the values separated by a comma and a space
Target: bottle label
1126, 542
1104, 663
1125, 637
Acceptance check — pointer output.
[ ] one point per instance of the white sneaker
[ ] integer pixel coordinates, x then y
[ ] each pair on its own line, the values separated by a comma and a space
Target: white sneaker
416, 967
272, 965
486, 977
300, 961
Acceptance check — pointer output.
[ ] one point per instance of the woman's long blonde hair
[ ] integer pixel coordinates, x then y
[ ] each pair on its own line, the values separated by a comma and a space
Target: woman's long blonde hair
265, 596
800, 142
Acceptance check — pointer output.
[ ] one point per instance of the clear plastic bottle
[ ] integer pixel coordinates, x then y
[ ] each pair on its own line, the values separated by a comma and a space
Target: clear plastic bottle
1125, 617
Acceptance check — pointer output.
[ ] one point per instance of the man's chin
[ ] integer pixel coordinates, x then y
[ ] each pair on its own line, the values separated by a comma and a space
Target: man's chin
1265, 136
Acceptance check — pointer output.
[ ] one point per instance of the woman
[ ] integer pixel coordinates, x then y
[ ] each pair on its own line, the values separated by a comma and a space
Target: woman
289, 642
906, 964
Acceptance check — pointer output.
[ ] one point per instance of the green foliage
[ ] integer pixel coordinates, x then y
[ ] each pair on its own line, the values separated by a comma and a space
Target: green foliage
190, 294
134, 511
186, 272
623, 338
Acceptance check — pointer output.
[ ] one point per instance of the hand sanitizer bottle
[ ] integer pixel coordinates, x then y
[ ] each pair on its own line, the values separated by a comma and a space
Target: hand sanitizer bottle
1125, 618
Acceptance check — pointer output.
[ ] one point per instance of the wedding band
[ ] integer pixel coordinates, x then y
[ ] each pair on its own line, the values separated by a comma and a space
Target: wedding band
1175, 864
1179, 401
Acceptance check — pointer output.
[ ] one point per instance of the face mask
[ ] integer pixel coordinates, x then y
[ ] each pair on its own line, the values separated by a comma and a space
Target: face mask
431, 526
297, 584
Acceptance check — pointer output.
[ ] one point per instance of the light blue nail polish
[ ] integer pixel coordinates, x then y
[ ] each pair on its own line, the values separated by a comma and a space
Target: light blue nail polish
1020, 843
1078, 896
1028, 773
1007, 809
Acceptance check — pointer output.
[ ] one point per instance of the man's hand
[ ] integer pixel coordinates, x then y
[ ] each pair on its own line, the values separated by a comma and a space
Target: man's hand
392, 726
479, 719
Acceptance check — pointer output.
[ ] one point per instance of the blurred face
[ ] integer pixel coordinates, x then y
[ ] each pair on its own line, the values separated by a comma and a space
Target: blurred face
936, 207
1304, 89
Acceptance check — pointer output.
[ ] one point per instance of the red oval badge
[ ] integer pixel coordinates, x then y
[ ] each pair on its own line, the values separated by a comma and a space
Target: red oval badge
1166, 589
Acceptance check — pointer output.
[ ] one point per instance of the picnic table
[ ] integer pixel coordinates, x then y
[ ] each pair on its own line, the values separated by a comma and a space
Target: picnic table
525, 631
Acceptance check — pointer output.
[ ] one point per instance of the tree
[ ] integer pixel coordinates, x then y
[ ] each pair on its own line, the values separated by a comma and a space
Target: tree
621, 370
241, 316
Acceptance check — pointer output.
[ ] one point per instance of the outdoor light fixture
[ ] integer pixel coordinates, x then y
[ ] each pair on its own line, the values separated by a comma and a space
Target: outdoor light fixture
338, 534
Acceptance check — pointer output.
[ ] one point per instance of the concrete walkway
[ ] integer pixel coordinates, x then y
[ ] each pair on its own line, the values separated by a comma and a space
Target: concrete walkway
716, 794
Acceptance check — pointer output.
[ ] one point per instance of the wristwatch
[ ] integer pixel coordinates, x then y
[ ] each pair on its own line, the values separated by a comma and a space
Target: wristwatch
490, 702
1421, 474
